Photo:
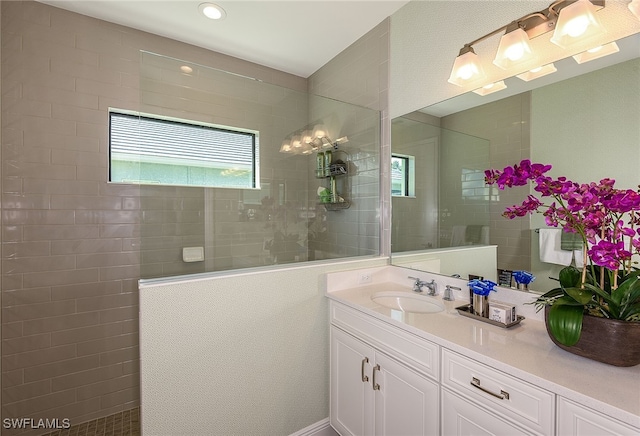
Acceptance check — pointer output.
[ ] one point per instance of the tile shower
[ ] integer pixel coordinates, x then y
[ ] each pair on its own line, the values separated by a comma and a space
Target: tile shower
75, 246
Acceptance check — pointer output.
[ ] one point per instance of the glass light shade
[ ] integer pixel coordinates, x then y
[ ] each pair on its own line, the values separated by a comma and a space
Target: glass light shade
597, 52
514, 49
576, 22
306, 137
296, 141
466, 69
491, 88
537, 72
319, 131
286, 147
634, 7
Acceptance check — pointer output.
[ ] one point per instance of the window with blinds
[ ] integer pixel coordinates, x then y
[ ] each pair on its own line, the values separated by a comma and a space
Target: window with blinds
144, 149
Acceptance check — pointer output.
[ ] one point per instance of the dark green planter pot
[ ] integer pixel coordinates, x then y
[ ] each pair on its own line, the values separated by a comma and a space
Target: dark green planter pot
606, 340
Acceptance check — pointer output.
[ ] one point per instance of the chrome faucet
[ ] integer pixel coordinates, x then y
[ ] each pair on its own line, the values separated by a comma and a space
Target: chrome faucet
432, 286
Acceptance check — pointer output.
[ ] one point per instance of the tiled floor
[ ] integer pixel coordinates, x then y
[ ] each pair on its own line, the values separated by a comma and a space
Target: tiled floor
125, 423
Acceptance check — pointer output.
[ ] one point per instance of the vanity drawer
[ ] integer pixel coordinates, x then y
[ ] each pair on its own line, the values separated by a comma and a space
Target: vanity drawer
507, 396
411, 350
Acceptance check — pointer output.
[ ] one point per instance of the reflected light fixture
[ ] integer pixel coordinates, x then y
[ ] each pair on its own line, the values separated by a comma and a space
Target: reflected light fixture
212, 11
577, 22
634, 7
309, 139
596, 52
491, 88
537, 72
514, 47
571, 21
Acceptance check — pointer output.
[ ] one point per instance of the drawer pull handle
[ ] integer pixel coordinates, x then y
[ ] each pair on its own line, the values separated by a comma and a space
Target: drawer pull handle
365, 378
376, 386
475, 382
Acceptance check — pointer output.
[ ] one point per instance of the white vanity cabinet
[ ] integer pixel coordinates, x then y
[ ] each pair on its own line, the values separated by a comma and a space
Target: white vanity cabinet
372, 393
577, 420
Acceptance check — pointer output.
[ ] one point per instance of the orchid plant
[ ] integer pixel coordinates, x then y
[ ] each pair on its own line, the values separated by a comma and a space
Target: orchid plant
608, 222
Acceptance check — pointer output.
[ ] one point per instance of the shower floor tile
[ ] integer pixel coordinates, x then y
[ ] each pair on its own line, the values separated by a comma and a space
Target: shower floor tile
125, 423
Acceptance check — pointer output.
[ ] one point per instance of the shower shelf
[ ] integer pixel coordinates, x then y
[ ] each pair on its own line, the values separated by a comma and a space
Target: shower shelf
336, 206
334, 170
337, 171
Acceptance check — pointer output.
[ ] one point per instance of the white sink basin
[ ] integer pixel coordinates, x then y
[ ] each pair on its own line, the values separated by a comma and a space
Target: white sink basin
407, 302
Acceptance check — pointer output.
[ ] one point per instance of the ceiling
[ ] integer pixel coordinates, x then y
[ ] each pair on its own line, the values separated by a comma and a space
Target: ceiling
295, 36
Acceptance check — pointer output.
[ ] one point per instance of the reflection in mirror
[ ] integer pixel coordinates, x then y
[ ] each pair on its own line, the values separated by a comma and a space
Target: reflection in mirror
586, 127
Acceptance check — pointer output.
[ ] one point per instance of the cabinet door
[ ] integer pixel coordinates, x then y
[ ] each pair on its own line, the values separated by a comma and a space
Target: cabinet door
351, 389
461, 417
577, 420
406, 403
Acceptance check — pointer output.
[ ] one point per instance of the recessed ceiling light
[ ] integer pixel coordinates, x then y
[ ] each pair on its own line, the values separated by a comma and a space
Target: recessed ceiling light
186, 69
212, 11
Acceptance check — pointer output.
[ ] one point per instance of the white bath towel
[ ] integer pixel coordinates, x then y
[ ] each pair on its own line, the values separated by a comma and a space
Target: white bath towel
550, 251
458, 236
579, 258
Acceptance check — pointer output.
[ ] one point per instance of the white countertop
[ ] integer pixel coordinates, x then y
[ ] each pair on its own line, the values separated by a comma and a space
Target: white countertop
524, 351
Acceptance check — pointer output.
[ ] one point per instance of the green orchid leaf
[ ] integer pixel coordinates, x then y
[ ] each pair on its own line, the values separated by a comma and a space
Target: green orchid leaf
628, 290
582, 296
568, 300
631, 313
565, 323
629, 298
570, 277
598, 291
553, 293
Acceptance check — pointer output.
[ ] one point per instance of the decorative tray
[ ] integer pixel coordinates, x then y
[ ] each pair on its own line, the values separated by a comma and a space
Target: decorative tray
466, 311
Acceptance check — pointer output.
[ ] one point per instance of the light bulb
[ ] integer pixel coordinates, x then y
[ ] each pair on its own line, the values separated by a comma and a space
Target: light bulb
465, 72
576, 26
212, 11
514, 52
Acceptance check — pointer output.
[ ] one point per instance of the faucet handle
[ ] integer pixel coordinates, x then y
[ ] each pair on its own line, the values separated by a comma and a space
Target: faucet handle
447, 293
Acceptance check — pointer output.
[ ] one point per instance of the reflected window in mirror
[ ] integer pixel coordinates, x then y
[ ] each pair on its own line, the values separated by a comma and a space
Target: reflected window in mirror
403, 175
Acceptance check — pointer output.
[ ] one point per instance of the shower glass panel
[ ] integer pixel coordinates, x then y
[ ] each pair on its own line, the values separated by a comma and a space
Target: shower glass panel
450, 205
271, 213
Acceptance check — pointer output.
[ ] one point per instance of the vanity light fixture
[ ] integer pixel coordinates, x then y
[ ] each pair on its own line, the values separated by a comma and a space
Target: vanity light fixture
597, 52
571, 21
491, 88
537, 72
212, 11
634, 7
577, 22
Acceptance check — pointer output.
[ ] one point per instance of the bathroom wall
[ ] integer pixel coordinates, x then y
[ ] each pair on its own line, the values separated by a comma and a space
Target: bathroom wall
243, 353
237, 227
360, 75
71, 241
260, 341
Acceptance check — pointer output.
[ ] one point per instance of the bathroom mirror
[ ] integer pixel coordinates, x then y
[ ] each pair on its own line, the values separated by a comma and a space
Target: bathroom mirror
583, 120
